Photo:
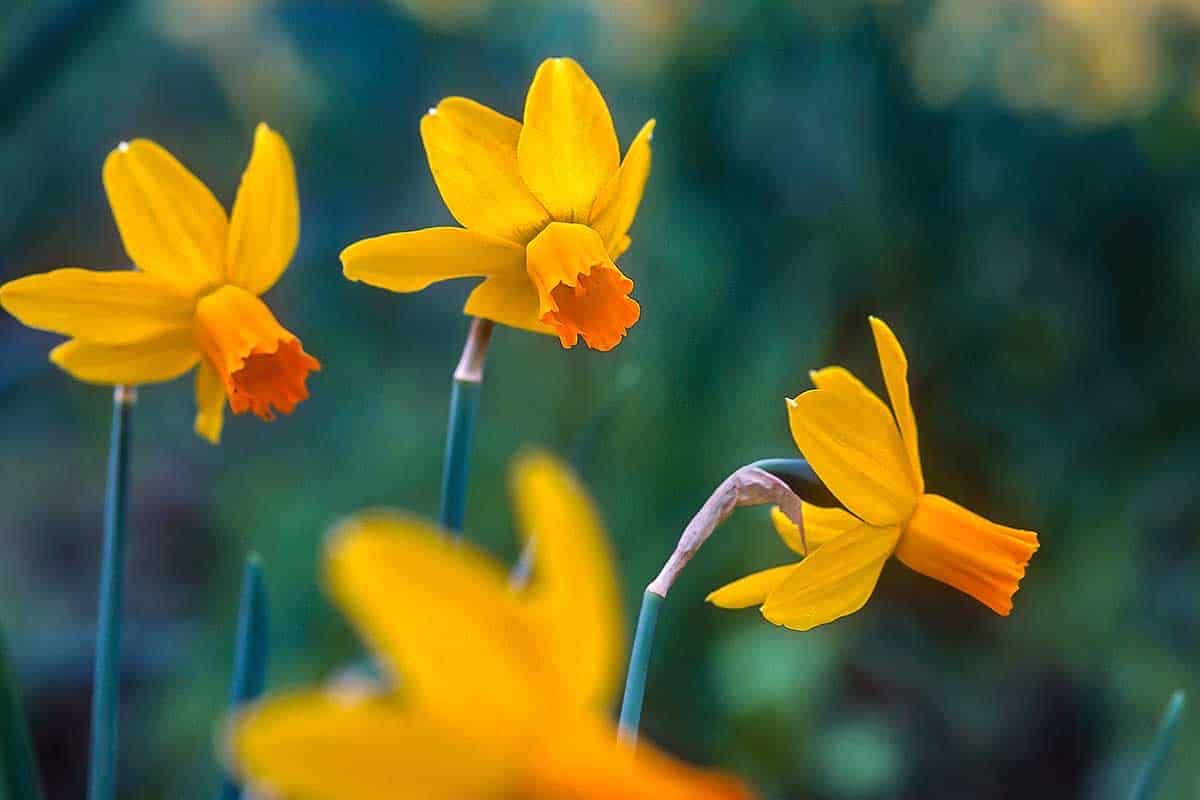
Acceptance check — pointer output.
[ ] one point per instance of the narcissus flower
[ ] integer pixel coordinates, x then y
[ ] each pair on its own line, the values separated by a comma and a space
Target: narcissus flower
545, 207
194, 297
498, 692
867, 455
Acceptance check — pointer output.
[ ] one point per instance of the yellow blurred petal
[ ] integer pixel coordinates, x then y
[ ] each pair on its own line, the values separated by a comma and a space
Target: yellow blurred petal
820, 525
472, 153
265, 225
618, 202
159, 359
619, 247
408, 262
962, 549
170, 223
330, 746
584, 761
834, 581
210, 403
568, 148
441, 615
849, 437
751, 590
894, 364
116, 307
509, 301
575, 592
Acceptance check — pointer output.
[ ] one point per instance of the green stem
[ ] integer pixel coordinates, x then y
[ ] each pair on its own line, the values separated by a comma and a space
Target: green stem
639, 663
250, 653
464, 400
1153, 769
102, 763
18, 768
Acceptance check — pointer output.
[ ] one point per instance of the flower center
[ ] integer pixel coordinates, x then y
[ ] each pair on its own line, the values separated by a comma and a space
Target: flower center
974, 555
260, 362
580, 290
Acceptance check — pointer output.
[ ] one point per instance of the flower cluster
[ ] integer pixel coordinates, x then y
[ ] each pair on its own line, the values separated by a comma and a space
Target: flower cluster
491, 687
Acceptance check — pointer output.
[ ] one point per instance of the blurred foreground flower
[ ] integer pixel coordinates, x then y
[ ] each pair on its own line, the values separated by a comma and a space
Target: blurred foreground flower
194, 297
497, 692
869, 460
545, 206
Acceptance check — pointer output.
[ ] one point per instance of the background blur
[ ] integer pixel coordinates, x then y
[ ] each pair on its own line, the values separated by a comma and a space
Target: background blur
1015, 187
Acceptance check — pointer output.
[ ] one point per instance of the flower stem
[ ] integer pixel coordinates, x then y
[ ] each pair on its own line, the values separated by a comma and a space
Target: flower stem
102, 763
1153, 769
250, 653
639, 663
19, 778
753, 485
464, 399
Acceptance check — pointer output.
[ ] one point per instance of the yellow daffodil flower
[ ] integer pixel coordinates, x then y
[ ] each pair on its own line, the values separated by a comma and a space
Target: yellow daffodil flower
194, 297
867, 455
497, 692
545, 207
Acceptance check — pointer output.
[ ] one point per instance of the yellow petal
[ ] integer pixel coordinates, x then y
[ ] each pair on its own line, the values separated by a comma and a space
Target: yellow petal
265, 225
894, 364
330, 746
574, 591
408, 262
442, 616
584, 761
210, 403
850, 439
159, 359
618, 202
834, 581
962, 549
568, 148
509, 301
116, 307
618, 249
820, 525
170, 223
751, 590
472, 153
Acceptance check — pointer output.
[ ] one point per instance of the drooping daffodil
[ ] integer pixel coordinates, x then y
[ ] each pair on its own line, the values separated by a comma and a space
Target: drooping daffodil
867, 455
546, 205
492, 691
194, 295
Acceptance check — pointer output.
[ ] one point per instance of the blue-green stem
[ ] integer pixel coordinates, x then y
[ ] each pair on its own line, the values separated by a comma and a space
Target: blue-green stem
250, 652
18, 768
464, 400
639, 665
752, 485
102, 763
1152, 771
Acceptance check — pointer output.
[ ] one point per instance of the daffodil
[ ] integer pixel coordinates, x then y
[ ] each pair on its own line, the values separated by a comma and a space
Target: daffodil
545, 206
867, 455
495, 692
194, 297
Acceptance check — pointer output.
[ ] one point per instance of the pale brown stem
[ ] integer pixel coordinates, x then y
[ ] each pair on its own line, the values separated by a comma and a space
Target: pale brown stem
749, 486
474, 354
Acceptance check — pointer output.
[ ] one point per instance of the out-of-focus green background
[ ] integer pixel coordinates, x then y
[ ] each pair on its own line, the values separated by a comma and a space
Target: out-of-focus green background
1015, 187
